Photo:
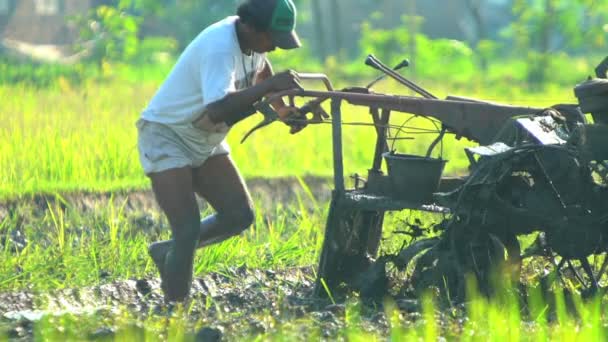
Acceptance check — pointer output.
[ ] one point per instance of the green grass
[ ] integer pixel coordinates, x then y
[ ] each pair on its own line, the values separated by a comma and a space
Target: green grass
68, 248
74, 138
69, 138
490, 323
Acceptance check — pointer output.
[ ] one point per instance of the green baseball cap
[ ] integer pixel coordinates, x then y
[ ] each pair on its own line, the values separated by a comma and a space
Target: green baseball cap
280, 15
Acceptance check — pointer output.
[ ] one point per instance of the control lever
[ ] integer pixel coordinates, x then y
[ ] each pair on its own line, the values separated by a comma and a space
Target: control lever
314, 106
270, 116
404, 63
372, 61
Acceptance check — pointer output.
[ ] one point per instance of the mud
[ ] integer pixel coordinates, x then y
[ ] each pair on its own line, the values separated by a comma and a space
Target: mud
235, 305
239, 303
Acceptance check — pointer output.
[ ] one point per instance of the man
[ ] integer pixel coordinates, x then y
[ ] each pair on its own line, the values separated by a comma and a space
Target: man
181, 133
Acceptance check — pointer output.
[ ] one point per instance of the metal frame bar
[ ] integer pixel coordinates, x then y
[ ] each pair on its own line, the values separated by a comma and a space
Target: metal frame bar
381, 122
336, 113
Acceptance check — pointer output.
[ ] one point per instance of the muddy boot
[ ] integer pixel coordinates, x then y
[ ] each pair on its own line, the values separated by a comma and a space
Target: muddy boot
158, 253
178, 272
179, 263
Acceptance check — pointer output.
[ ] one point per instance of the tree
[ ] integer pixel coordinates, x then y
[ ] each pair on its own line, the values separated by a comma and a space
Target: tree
475, 8
317, 17
544, 26
336, 24
181, 19
108, 33
413, 25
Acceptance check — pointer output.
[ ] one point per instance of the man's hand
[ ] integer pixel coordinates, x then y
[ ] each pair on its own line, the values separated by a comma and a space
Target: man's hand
284, 81
291, 117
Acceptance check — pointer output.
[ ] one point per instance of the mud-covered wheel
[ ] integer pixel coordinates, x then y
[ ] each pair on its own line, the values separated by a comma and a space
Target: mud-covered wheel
468, 251
486, 255
437, 268
352, 239
444, 263
587, 275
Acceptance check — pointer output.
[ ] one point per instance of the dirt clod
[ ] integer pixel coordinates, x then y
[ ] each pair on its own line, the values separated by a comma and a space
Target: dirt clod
143, 287
209, 335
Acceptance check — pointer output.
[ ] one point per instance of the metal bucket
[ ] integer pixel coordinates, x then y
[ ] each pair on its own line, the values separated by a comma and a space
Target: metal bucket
413, 178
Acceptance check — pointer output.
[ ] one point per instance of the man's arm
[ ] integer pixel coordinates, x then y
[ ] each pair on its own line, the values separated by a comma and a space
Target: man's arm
265, 74
242, 100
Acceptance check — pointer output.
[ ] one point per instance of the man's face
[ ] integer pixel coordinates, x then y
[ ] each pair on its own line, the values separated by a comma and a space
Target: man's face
262, 42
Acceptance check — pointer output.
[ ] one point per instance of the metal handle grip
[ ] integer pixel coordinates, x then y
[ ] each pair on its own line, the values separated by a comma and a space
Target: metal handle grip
320, 77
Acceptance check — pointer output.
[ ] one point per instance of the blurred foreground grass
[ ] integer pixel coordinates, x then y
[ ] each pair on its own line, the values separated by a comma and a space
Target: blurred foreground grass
500, 320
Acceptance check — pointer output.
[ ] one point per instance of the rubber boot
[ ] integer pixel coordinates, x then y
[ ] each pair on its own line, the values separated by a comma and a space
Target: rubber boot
158, 251
177, 268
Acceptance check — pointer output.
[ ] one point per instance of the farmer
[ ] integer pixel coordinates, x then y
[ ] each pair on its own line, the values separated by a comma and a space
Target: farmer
181, 133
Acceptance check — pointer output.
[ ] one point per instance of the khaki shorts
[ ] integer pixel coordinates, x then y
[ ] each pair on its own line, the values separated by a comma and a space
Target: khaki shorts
163, 147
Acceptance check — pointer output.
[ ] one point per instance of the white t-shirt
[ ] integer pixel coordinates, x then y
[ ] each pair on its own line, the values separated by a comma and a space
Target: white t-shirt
212, 66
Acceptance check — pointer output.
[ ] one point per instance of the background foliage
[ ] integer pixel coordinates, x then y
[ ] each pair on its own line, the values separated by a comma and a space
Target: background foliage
536, 42
542, 49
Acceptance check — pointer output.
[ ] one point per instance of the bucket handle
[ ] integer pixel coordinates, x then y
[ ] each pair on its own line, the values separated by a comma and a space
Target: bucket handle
435, 142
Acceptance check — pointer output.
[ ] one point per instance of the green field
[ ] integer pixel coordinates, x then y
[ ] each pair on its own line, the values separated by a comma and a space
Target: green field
76, 143
77, 213
83, 137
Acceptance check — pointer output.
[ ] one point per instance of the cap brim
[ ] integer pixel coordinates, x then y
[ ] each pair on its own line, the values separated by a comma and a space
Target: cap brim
286, 40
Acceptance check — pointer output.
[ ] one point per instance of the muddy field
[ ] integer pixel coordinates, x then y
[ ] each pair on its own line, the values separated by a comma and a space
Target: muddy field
234, 303
122, 300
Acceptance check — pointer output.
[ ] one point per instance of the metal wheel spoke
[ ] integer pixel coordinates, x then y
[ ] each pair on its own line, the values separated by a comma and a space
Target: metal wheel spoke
558, 268
602, 269
576, 274
589, 271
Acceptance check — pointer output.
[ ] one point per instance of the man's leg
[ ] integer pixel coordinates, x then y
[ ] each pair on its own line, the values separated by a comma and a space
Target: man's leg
175, 195
219, 182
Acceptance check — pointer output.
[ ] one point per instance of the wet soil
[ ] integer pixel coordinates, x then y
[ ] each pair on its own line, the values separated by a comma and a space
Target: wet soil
229, 301
237, 303
233, 305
